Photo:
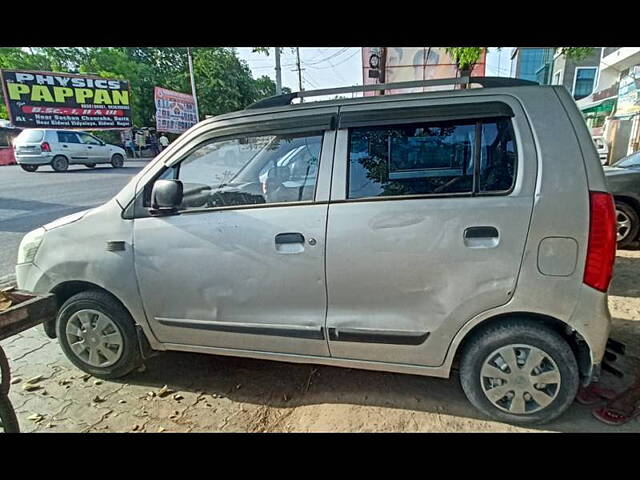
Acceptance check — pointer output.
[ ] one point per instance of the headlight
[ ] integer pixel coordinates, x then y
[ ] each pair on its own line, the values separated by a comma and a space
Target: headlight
29, 245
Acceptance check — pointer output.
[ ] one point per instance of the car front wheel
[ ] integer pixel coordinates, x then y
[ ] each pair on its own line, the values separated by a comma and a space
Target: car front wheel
98, 335
519, 372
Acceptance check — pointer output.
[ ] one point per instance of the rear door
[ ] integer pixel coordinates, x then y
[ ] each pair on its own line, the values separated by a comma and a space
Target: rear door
72, 147
430, 206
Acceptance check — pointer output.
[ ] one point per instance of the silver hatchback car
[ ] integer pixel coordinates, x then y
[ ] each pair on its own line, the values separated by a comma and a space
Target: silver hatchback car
35, 147
402, 233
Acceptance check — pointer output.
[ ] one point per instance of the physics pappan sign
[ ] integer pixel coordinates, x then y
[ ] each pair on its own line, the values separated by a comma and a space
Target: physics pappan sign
175, 111
62, 100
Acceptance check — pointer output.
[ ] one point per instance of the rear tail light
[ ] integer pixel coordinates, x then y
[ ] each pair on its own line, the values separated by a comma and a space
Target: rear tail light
601, 250
45, 147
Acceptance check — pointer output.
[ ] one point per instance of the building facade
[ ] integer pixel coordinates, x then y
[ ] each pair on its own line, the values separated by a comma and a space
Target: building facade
613, 109
579, 77
532, 63
403, 64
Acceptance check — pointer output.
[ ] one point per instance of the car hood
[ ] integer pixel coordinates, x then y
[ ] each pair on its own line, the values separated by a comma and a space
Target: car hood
74, 217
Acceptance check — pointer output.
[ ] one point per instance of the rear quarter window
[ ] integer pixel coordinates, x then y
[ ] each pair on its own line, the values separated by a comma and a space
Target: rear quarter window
436, 158
30, 136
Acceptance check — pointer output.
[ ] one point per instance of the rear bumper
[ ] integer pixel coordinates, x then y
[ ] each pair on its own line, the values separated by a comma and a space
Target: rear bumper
591, 319
42, 159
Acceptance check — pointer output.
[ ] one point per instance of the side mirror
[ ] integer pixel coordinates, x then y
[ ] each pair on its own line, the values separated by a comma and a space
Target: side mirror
166, 196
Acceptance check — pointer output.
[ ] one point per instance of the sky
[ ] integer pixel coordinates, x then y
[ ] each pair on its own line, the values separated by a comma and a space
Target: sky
339, 66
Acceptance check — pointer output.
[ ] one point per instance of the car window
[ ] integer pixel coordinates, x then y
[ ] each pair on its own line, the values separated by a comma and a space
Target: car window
254, 170
88, 139
631, 161
68, 137
430, 158
29, 136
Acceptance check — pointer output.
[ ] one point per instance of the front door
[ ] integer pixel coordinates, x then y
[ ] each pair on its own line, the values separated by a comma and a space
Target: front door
427, 231
242, 264
95, 151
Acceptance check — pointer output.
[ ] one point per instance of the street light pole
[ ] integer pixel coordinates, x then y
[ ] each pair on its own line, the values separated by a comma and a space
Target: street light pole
299, 72
193, 83
278, 73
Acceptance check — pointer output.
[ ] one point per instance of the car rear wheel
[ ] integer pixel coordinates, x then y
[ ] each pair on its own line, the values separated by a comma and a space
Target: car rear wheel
97, 335
29, 168
519, 372
60, 163
117, 161
627, 224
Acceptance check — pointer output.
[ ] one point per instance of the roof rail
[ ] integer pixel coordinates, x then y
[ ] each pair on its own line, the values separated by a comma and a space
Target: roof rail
486, 82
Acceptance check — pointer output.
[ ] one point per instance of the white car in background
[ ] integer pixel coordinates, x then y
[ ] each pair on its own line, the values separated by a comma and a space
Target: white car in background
35, 147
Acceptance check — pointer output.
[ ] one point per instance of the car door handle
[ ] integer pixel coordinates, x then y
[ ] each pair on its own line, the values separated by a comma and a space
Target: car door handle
481, 237
481, 232
64, 146
284, 238
89, 148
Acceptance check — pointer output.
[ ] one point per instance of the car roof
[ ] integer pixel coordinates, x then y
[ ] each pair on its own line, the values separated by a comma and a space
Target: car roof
378, 99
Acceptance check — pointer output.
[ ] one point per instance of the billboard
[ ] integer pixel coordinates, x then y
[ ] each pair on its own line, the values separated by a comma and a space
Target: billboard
63, 100
175, 111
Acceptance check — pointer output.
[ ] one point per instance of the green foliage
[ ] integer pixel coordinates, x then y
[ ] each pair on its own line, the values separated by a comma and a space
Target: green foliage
223, 81
576, 53
465, 57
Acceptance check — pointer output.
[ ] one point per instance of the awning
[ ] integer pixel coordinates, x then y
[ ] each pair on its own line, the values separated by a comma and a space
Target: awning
606, 105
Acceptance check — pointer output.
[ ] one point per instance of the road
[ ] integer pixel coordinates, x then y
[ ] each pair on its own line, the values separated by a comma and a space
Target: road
29, 200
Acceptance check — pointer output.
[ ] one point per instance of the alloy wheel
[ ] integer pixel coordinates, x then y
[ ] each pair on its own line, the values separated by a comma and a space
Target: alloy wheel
623, 225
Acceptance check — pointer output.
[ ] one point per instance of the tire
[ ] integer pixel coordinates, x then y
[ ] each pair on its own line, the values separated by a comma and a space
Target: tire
90, 165
5, 374
60, 163
520, 336
627, 221
8, 420
29, 168
117, 161
94, 304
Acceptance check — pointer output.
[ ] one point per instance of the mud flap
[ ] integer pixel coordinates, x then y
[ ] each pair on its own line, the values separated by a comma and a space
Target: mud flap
145, 348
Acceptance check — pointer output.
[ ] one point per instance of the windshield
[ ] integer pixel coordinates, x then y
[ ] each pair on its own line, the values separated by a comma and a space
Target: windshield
631, 161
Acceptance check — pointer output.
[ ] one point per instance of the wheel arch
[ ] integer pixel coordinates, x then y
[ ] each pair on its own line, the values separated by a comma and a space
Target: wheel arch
580, 348
65, 290
630, 200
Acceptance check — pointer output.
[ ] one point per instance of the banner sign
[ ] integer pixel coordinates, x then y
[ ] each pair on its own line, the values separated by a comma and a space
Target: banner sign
629, 93
63, 100
175, 111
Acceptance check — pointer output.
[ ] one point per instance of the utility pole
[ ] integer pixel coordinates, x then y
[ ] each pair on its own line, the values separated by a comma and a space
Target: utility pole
299, 72
193, 83
278, 73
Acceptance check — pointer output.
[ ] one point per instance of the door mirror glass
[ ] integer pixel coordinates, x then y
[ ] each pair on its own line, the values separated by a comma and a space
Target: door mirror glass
166, 195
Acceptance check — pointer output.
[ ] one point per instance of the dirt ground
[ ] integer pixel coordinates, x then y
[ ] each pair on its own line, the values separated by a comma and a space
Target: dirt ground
226, 394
